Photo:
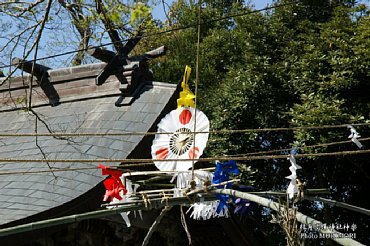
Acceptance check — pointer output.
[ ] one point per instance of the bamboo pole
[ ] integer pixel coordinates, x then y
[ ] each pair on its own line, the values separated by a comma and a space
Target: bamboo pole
154, 204
280, 193
339, 204
332, 234
169, 172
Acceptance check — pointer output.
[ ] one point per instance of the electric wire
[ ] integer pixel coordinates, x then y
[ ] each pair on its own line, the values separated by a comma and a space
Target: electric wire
205, 159
223, 131
127, 166
196, 89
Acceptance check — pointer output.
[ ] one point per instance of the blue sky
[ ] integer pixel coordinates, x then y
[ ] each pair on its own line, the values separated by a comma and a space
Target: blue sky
159, 14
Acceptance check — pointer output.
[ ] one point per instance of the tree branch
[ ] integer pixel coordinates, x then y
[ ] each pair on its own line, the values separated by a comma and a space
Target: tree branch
80, 22
155, 225
113, 34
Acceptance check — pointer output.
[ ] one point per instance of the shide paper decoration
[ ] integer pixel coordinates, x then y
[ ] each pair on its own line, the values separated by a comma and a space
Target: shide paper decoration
183, 179
354, 136
126, 198
113, 184
207, 210
219, 208
292, 187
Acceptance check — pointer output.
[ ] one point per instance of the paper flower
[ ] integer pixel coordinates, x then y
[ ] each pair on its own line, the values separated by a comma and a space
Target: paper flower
354, 136
292, 187
179, 142
112, 184
222, 174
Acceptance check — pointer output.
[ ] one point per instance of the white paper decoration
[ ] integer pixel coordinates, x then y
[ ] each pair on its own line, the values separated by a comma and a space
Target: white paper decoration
131, 188
179, 142
354, 136
292, 187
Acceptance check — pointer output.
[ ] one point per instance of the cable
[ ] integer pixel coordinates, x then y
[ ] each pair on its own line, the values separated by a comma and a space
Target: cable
151, 163
224, 131
299, 147
220, 158
196, 92
194, 24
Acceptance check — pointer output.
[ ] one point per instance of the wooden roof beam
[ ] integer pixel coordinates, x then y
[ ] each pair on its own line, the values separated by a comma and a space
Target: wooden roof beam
101, 54
42, 75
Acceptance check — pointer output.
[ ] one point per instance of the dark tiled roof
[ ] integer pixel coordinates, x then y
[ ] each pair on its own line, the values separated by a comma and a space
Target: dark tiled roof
85, 108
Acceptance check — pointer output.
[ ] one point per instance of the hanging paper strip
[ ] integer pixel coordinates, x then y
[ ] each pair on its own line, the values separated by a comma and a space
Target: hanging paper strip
201, 210
186, 98
183, 179
126, 198
180, 142
112, 184
207, 210
222, 174
292, 187
354, 136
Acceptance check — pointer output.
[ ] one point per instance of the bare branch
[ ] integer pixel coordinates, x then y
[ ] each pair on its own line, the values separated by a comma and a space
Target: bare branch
81, 23
20, 11
155, 225
113, 34
36, 46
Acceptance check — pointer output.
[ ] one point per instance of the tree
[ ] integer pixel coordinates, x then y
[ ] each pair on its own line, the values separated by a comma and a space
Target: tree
96, 22
303, 64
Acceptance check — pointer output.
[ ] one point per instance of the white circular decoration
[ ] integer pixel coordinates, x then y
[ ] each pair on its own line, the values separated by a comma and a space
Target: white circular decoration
179, 142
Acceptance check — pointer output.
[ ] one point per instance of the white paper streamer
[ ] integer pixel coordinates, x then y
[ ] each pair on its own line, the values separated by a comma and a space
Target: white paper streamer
354, 136
183, 179
131, 188
207, 210
292, 187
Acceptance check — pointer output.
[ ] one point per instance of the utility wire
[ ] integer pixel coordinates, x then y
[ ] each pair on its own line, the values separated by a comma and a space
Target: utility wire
299, 147
127, 166
205, 159
194, 24
224, 131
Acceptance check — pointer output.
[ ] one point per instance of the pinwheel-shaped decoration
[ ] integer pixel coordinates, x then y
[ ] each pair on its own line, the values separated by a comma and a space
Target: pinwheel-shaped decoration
180, 142
112, 184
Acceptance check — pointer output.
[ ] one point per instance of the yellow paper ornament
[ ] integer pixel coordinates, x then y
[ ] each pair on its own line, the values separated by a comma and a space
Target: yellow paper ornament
186, 98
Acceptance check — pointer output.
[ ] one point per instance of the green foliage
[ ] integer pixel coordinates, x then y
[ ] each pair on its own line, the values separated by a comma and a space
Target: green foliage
139, 13
304, 64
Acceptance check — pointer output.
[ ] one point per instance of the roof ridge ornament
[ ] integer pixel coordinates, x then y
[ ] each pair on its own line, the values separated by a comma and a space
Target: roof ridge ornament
130, 71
